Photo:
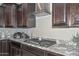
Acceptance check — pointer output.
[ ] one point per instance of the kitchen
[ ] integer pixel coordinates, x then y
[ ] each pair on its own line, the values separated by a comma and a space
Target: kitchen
39, 29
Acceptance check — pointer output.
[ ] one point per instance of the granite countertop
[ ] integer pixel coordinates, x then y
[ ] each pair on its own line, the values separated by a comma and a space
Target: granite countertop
54, 48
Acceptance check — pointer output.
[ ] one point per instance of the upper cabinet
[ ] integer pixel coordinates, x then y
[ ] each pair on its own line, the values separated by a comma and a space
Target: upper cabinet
31, 22
14, 15
59, 14
65, 14
74, 15
9, 15
1, 17
22, 15
25, 16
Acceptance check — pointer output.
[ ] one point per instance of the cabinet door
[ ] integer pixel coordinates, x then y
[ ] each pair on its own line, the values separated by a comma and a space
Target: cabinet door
25, 17
10, 15
74, 14
14, 51
15, 48
4, 50
59, 14
30, 14
1, 17
20, 17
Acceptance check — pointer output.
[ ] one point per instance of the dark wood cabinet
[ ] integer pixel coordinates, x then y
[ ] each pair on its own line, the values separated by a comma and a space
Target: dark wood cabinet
1, 16
15, 49
25, 16
59, 14
34, 51
21, 22
31, 19
27, 50
37, 51
74, 14
4, 48
65, 14
9, 15
13, 15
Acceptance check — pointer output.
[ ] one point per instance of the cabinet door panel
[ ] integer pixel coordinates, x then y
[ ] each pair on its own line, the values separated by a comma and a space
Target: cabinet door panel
20, 17
30, 15
10, 15
15, 48
4, 48
74, 14
14, 51
59, 14
1, 16
24, 15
